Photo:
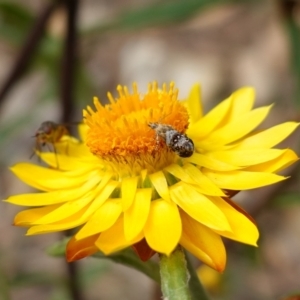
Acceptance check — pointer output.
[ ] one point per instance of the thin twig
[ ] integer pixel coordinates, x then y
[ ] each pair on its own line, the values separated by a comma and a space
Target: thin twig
28, 50
68, 69
74, 281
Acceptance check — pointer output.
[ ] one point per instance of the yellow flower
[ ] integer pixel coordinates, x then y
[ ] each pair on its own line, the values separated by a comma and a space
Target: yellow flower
211, 280
125, 186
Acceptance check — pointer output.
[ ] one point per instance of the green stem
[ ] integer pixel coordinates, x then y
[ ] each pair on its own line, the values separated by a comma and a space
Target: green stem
174, 276
197, 290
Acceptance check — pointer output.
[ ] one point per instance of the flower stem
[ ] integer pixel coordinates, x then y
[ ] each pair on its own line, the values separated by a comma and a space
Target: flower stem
197, 290
174, 276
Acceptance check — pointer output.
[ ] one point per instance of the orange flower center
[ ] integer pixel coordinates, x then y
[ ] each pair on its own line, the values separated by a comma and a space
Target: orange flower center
119, 132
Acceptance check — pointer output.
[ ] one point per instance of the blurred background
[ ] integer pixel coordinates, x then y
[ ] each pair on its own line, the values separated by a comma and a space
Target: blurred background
56, 55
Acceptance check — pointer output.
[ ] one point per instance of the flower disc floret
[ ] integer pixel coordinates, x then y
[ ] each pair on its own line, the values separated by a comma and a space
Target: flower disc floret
119, 132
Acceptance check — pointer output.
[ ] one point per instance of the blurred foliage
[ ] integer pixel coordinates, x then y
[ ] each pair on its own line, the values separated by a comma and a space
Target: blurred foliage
4, 284
286, 199
125, 257
15, 22
57, 284
160, 13
128, 258
196, 287
155, 14
293, 30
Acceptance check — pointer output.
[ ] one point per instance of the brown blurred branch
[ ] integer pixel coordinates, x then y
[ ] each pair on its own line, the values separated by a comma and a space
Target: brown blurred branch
287, 7
28, 49
74, 281
68, 69
68, 66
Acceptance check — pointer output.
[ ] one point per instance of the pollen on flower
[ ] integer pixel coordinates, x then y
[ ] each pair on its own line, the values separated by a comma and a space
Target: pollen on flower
119, 131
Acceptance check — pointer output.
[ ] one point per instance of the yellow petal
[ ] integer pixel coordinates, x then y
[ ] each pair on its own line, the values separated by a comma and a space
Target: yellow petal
51, 180
159, 182
242, 180
210, 162
66, 210
76, 250
101, 197
198, 206
27, 217
269, 137
245, 157
210, 278
98, 195
102, 219
71, 147
128, 190
163, 228
68, 223
204, 185
136, 216
237, 129
82, 130
202, 242
286, 159
194, 104
113, 239
210, 121
243, 230
144, 174
62, 161
243, 100
179, 173
38, 199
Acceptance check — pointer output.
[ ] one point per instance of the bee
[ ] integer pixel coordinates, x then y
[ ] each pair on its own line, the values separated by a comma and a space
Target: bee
49, 133
175, 141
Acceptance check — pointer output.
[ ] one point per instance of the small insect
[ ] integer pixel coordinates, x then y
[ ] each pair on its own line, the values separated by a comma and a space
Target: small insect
176, 141
49, 133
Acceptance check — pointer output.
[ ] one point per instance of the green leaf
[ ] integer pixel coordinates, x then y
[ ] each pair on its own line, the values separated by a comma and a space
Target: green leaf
58, 249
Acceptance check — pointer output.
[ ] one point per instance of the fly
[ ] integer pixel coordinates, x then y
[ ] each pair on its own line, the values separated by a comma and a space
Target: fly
175, 141
49, 133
